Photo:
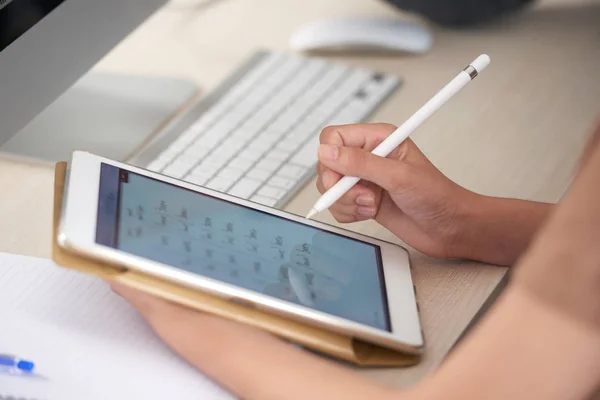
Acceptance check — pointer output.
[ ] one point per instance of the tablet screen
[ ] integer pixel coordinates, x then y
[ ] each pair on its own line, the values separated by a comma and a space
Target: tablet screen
241, 246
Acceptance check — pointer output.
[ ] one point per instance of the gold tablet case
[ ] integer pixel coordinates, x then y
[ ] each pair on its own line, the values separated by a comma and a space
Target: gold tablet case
329, 343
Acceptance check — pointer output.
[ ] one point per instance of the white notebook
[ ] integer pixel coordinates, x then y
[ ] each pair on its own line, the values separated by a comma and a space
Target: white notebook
86, 342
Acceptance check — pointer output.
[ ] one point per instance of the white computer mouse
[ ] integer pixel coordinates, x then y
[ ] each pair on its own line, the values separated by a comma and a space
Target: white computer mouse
363, 34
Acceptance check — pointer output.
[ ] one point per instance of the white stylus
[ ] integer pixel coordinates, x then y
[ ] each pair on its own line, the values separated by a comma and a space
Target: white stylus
399, 135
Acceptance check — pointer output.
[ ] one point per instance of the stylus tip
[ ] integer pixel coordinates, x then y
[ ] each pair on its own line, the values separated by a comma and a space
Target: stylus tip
312, 213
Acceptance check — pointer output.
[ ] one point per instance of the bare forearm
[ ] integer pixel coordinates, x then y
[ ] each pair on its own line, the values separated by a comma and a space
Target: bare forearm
543, 337
498, 231
255, 365
525, 348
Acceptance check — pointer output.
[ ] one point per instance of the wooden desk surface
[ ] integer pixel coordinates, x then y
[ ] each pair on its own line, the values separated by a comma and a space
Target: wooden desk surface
517, 131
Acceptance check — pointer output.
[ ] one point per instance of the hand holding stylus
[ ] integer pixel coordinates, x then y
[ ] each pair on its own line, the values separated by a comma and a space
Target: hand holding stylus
404, 131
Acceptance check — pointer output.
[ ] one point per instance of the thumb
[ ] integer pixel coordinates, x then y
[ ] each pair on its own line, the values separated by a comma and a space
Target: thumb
353, 161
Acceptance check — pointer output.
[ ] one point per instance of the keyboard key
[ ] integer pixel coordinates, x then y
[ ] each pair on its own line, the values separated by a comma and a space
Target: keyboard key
223, 129
215, 159
274, 105
268, 139
268, 165
205, 169
178, 169
342, 120
292, 171
221, 106
268, 191
250, 154
314, 117
346, 113
157, 165
256, 73
244, 109
189, 136
251, 130
356, 110
240, 163
202, 171
254, 124
199, 126
259, 146
230, 174
374, 88
273, 132
220, 185
280, 124
238, 145
197, 151
225, 152
278, 155
190, 159
308, 155
197, 180
291, 115
289, 146
258, 173
313, 126
242, 134
185, 140
245, 187
171, 152
280, 182
227, 145
177, 147
335, 102
297, 136
266, 201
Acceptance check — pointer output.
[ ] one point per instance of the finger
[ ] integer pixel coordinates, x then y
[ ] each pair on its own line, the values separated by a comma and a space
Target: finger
329, 178
358, 211
320, 168
343, 213
343, 210
366, 136
339, 210
325, 177
320, 186
345, 218
359, 195
350, 161
370, 194
362, 194
122, 290
350, 219
143, 302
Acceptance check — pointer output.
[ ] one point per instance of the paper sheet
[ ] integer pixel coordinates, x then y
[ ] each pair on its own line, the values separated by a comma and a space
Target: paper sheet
87, 342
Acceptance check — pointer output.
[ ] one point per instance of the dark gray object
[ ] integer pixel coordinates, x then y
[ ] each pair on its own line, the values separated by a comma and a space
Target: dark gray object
461, 13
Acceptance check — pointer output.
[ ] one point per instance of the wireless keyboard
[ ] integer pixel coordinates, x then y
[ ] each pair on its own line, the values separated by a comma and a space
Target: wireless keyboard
257, 136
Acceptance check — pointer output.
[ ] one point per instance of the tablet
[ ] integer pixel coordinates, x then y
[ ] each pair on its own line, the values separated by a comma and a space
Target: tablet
239, 250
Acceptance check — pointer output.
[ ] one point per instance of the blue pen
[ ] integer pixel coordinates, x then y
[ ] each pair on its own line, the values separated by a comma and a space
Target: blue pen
15, 362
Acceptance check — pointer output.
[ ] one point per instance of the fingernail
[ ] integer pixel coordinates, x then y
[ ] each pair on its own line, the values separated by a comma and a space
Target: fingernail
365, 200
367, 211
328, 152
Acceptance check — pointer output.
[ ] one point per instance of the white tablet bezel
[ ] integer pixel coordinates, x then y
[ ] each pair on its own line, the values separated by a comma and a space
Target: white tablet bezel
77, 231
